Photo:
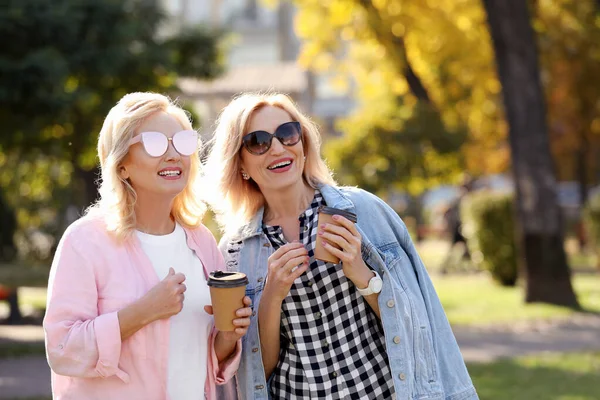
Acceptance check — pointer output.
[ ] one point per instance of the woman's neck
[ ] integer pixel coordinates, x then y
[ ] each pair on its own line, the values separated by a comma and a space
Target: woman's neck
153, 215
288, 203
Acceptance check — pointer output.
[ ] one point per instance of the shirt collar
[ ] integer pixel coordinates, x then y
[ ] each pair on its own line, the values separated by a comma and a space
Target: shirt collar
333, 198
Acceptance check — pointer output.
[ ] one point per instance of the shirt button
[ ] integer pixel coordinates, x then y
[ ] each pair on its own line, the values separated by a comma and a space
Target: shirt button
310, 283
259, 387
396, 339
255, 350
334, 374
402, 377
318, 315
60, 346
253, 313
325, 344
390, 303
259, 279
267, 244
305, 228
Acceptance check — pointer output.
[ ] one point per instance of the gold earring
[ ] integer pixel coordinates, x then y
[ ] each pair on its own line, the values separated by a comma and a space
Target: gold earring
245, 176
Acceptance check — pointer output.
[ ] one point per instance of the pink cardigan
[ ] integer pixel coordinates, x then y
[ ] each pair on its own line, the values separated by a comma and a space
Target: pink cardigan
91, 279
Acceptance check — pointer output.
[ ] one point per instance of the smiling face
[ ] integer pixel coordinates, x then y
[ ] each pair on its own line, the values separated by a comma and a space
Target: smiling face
281, 167
166, 175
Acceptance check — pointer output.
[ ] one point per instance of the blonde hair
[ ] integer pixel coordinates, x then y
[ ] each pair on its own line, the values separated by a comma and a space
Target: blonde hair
237, 200
117, 196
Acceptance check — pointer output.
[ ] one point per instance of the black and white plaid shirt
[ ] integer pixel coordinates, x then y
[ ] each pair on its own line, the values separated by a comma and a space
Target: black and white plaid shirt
332, 343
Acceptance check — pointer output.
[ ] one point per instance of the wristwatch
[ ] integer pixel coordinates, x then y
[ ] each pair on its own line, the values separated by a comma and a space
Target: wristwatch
375, 285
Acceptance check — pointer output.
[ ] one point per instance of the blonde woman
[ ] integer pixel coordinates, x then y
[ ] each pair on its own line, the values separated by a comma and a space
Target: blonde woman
370, 326
127, 314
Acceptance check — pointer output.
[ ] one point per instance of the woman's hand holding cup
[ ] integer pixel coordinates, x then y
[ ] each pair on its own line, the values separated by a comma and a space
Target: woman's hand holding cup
240, 323
342, 240
285, 265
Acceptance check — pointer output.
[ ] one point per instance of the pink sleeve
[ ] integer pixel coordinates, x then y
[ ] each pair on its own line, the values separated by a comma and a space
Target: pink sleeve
79, 342
223, 372
217, 262
226, 370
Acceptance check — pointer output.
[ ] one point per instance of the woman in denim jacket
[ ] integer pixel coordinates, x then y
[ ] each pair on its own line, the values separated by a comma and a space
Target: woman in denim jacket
370, 326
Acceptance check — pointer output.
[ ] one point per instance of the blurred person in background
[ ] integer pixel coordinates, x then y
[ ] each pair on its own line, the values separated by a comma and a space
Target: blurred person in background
370, 326
454, 227
126, 314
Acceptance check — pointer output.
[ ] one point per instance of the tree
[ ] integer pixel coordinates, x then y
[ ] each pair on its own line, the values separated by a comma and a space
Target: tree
64, 64
541, 237
9, 226
569, 41
423, 66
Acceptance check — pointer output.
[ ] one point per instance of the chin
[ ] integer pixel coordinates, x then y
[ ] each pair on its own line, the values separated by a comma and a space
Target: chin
173, 190
286, 183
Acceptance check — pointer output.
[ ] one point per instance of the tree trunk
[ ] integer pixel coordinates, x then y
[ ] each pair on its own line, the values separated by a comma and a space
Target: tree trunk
15, 315
540, 233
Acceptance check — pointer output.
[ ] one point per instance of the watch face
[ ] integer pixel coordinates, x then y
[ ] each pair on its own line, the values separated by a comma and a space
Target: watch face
377, 284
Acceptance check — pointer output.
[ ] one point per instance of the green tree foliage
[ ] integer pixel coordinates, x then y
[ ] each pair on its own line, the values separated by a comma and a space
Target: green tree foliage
63, 65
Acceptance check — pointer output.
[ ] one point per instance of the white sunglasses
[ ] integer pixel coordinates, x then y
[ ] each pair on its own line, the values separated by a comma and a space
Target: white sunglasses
157, 143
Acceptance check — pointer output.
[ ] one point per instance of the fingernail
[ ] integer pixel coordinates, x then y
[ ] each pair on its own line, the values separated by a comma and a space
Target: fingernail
336, 217
321, 232
323, 226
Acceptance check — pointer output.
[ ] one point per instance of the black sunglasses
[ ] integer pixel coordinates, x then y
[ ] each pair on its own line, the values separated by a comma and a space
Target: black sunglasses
259, 142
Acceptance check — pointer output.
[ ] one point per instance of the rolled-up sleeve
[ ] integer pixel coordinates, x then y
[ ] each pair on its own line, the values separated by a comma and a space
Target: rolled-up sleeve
224, 371
79, 342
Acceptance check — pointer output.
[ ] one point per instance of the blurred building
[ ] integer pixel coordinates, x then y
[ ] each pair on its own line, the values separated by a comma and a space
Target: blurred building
261, 55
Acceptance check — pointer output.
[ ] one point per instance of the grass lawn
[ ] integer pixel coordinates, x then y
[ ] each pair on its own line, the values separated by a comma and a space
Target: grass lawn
14, 350
476, 300
434, 251
573, 376
33, 297
15, 275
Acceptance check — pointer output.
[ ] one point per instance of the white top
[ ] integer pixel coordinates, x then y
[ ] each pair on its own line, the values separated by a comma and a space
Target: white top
189, 330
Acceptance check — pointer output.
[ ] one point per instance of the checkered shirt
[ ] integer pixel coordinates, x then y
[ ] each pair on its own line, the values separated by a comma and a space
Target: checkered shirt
332, 343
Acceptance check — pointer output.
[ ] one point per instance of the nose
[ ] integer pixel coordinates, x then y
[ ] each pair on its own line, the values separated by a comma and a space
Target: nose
171, 154
276, 146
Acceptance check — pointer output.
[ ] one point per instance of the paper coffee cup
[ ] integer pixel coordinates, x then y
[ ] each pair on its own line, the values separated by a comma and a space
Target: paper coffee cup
227, 291
326, 217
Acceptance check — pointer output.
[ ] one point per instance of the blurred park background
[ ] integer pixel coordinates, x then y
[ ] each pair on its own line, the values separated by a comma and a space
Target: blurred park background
478, 121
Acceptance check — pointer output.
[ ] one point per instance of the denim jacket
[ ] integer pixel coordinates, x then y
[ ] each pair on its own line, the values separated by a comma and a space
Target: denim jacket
423, 354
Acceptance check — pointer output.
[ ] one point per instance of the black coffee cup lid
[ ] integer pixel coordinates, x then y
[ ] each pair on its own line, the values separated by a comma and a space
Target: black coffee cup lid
223, 279
333, 211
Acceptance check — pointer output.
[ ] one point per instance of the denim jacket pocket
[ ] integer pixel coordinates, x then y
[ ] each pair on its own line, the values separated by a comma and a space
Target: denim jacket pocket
427, 347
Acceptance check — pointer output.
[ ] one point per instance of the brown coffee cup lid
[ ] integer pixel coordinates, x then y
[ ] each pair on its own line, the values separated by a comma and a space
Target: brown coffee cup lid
223, 279
333, 211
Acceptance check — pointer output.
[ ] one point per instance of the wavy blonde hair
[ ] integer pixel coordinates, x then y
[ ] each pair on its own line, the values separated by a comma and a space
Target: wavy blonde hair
117, 196
234, 199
